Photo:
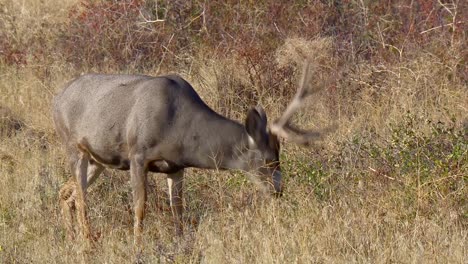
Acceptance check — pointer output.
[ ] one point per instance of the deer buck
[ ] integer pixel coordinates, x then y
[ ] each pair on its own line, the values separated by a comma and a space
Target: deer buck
160, 124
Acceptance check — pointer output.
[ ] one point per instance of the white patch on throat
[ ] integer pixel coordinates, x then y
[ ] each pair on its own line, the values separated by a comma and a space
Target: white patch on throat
251, 141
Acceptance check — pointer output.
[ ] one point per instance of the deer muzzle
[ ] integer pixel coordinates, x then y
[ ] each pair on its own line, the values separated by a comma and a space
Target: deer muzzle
277, 183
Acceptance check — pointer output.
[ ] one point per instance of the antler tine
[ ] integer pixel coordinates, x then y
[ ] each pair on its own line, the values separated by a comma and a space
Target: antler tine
304, 137
282, 126
296, 102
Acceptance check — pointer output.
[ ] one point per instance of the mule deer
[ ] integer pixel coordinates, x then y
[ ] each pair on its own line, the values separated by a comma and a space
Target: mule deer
159, 124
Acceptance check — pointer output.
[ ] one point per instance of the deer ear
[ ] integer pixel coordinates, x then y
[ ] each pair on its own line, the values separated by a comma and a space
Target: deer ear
256, 127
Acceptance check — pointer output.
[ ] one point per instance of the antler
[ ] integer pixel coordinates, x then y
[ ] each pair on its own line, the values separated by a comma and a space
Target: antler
282, 127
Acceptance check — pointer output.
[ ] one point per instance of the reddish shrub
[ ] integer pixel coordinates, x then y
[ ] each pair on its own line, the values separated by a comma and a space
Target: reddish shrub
109, 33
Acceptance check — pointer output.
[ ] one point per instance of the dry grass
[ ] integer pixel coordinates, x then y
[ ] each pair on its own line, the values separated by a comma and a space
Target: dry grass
388, 186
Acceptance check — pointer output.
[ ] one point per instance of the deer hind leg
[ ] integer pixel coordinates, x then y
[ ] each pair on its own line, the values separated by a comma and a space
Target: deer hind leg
68, 195
81, 171
67, 203
175, 184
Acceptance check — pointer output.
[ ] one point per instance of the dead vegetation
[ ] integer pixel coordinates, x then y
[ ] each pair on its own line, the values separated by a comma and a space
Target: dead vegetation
389, 185
9, 123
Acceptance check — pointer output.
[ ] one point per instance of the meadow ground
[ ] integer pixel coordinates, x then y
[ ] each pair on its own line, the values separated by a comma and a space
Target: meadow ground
388, 185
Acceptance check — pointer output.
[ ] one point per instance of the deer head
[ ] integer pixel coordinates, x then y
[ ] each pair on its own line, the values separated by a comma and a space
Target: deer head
264, 145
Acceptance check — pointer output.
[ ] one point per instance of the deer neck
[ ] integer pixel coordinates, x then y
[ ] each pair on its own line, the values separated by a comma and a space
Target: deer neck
220, 144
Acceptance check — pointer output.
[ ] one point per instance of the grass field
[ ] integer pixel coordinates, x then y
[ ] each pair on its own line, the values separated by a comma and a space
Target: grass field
388, 185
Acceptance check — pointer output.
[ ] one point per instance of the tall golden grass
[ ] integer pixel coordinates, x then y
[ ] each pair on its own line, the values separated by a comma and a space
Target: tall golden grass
387, 186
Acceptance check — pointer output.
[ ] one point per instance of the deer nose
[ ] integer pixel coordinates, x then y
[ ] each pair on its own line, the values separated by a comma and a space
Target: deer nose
277, 183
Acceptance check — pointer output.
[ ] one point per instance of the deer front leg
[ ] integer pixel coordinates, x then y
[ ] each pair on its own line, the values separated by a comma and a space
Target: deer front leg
175, 184
138, 180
